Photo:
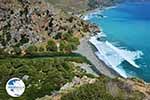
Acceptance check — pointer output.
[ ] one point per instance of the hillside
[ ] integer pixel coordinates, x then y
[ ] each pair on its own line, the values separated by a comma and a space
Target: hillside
37, 38
80, 6
103, 88
26, 23
71, 5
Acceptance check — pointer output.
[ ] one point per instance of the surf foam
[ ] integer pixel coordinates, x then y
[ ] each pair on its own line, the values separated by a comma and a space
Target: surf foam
114, 56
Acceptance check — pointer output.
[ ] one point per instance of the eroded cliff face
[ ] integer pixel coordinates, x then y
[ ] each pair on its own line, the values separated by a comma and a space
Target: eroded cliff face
22, 21
26, 22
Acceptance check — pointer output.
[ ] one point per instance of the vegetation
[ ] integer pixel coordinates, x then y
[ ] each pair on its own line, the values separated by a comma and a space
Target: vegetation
45, 75
31, 49
36, 41
100, 91
23, 27
68, 42
70, 5
102, 3
65, 44
51, 46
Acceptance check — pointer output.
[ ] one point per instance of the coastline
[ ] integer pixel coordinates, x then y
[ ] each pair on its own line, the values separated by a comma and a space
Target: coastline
87, 14
86, 47
88, 50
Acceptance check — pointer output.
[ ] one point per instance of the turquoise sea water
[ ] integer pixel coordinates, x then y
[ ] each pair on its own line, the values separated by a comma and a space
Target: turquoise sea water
128, 26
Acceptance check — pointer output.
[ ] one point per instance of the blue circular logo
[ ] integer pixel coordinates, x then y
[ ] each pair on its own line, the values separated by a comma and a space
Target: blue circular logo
15, 87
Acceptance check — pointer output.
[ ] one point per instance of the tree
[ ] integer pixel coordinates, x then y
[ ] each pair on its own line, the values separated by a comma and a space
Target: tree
1, 51
17, 50
31, 49
51, 45
67, 36
62, 45
75, 40
24, 39
41, 49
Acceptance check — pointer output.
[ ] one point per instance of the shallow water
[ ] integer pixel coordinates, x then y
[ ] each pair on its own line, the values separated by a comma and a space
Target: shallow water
128, 26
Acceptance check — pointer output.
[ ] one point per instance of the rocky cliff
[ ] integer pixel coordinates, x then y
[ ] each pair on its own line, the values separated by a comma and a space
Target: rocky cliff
26, 22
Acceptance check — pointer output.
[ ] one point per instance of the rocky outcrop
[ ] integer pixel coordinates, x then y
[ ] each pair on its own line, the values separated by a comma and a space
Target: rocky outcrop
26, 22
102, 3
76, 82
121, 89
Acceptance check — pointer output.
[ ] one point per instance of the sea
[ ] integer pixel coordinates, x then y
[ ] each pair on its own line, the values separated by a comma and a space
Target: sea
126, 27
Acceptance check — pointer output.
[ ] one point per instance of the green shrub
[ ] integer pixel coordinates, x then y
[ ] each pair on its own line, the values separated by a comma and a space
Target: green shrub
99, 91
45, 75
51, 46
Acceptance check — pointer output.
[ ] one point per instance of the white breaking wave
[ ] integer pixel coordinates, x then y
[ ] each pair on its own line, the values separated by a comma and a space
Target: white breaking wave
118, 70
92, 14
127, 55
113, 56
96, 13
101, 34
85, 17
89, 16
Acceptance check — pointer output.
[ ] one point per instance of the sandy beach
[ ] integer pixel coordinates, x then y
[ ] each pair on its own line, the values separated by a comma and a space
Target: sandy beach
86, 49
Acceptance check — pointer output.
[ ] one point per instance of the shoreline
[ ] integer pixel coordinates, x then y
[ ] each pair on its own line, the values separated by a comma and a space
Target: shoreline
106, 70
88, 50
87, 14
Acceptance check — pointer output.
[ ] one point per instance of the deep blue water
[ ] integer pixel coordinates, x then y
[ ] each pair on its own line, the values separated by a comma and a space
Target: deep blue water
128, 24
